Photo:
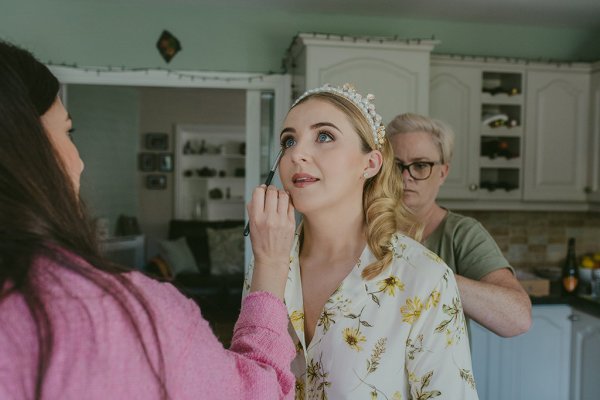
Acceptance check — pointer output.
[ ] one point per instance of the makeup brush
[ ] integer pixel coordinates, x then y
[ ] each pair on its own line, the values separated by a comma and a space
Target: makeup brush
267, 183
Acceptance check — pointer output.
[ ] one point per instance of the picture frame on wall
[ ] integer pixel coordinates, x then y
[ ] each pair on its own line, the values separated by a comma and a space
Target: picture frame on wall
156, 182
157, 141
165, 162
147, 162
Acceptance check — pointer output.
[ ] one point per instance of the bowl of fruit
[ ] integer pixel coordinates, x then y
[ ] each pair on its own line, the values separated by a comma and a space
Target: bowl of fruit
588, 263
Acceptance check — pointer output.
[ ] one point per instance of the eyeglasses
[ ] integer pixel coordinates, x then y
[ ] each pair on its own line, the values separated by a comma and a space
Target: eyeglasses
418, 170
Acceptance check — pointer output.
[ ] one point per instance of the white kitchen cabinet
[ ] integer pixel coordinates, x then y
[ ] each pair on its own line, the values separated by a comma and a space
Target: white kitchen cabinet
454, 93
586, 357
501, 132
395, 71
552, 134
557, 104
209, 172
488, 162
535, 365
594, 149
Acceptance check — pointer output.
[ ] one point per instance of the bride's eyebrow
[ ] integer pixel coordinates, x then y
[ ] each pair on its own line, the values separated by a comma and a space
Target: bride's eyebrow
322, 124
284, 130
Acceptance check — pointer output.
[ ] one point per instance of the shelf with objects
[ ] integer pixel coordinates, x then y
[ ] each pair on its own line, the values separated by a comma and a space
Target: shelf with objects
501, 135
210, 168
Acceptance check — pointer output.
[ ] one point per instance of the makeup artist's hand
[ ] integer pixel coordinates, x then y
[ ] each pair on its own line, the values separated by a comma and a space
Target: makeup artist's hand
272, 228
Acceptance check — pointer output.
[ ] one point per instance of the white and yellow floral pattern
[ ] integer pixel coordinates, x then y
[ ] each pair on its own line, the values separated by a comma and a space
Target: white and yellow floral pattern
399, 336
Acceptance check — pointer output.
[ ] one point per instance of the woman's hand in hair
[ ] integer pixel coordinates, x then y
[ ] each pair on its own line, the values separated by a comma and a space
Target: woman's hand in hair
272, 227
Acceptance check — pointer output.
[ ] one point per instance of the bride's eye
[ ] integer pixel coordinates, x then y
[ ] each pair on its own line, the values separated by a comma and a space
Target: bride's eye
324, 137
287, 142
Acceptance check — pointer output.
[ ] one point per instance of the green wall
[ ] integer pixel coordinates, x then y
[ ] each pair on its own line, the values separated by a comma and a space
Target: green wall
124, 33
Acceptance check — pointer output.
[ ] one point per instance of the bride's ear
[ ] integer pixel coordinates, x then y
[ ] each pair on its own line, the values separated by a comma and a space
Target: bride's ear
374, 162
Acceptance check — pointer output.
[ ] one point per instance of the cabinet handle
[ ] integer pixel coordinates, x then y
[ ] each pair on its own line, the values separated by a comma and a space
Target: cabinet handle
573, 317
473, 187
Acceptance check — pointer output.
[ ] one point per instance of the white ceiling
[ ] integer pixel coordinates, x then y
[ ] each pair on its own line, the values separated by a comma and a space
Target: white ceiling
552, 13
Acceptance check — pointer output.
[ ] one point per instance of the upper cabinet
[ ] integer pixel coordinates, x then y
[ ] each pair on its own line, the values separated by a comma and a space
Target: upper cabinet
522, 132
501, 132
484, 104
594, 148
395, 71
557, 133
454, 98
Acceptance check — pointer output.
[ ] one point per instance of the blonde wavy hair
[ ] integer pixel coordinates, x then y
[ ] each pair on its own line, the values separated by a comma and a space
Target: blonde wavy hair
384, 210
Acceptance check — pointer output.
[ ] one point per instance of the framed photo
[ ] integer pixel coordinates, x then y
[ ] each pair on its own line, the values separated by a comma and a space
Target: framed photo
147, 162
157, 141
156, 182
165, 162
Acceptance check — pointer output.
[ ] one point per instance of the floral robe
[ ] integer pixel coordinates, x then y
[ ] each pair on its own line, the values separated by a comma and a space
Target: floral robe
399, 336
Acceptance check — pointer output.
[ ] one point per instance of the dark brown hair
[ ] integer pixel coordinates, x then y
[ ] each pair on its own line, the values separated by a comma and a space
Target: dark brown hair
41, 215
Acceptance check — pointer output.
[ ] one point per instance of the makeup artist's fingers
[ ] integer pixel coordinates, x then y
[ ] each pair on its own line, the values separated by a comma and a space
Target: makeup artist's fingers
283, 202
271, 200
272, 235
257, 203
271, 229
290, 210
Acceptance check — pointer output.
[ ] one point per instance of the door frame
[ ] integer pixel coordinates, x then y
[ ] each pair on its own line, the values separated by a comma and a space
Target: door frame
252, 83
280, 84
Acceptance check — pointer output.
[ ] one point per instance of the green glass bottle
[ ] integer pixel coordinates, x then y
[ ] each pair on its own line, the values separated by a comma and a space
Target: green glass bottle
570, 272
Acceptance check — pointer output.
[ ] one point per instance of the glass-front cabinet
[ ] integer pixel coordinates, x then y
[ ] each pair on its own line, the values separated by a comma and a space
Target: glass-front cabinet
501, 134
483, 103
523, 133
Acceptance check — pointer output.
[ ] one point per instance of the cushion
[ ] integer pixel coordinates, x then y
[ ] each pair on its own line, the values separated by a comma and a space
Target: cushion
179, 256
197, 237
226, 250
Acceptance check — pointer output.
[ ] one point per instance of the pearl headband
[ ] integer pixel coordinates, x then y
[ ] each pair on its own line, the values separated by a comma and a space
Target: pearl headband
364, 104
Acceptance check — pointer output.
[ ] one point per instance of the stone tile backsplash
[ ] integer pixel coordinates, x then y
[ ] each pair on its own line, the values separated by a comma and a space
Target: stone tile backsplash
531, 239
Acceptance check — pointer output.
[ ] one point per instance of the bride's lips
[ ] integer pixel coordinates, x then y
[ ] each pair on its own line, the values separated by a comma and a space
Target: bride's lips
303, 180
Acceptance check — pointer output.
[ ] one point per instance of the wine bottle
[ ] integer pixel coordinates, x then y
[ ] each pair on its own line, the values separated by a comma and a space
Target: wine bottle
570, 273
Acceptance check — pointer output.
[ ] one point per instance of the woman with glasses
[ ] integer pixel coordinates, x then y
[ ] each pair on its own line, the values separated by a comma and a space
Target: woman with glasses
490, 293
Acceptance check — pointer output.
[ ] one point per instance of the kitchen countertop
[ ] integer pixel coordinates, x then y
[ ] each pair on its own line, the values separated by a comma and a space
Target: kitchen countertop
581, 302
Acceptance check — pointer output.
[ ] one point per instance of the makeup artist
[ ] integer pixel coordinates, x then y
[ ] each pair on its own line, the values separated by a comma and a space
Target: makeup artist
373, 313
489, 290
75, 326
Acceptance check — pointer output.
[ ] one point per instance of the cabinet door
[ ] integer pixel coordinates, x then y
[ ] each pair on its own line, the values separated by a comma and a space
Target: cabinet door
537, 363
594, 153
399, 79
454, 98
534, 365
586, 357
485, 354
556, 136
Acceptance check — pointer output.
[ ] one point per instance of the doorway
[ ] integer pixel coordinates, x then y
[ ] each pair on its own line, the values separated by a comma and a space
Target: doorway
114, 112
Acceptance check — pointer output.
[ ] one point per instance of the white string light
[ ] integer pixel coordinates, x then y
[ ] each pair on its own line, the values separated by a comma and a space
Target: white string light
169, 72
287, 61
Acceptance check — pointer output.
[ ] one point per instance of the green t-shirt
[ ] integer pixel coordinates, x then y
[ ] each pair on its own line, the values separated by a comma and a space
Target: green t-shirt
468, 249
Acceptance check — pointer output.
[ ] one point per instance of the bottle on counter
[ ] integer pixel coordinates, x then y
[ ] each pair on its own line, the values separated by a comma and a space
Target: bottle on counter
570, 272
